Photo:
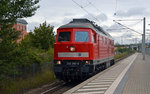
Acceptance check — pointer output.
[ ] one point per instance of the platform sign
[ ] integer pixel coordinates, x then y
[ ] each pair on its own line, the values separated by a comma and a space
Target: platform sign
147, 45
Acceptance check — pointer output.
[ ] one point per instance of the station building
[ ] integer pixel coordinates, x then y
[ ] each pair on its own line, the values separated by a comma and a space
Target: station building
21, 25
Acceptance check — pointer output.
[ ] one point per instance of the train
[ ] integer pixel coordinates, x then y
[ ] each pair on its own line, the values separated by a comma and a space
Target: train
82, 49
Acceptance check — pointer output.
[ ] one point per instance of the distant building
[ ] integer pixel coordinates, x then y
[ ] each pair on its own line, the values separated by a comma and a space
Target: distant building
21, 25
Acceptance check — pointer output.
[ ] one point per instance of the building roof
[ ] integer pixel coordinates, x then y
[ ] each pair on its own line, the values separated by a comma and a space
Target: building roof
22, 21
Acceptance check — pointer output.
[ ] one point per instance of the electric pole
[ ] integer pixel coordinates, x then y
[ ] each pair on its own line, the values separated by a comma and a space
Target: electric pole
143, 35
143, 38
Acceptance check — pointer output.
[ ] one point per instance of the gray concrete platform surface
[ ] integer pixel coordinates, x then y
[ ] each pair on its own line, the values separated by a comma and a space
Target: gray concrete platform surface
138, 81
107, 81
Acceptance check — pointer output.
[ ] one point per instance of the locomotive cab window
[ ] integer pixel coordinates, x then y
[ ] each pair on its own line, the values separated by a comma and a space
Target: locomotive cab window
82, 36
64, 36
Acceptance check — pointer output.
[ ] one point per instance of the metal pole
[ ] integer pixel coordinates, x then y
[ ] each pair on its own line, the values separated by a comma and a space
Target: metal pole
142, 44
144, 38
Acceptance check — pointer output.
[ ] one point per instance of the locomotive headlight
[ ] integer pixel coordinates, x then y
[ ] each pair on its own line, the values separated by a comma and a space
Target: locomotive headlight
59, 62
72, 48
87, 62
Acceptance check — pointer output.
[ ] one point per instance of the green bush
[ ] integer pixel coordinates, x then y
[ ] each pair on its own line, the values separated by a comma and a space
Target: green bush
17, 58
21, 85
46, 56
124, 52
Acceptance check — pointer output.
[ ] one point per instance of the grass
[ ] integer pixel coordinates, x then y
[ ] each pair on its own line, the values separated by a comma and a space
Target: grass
21, 85
118, 56
9, 86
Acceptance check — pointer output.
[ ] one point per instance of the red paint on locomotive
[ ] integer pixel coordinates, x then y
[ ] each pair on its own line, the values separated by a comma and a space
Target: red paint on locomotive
88, 46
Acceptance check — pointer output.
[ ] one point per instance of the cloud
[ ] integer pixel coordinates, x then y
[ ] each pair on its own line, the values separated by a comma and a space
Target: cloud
128, 34
31, 26
120, 35
66, 21
101, 17
55, 24
69, 14
133, 12
113, 28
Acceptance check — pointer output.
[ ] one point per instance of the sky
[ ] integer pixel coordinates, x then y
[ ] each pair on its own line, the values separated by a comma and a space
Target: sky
103, 12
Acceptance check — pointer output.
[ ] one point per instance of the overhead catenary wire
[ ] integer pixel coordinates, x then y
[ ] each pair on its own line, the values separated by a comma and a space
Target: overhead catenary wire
135, 23
139, 20
111, 29
88, 4
115, 29
127, 27
85, 10
130, 20
95, 7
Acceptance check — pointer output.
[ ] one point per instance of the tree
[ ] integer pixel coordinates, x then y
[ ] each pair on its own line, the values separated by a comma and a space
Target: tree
10, 10
43, 37
10, 53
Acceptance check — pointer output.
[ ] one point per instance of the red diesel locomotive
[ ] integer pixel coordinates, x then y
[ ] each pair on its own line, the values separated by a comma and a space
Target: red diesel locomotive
81, 50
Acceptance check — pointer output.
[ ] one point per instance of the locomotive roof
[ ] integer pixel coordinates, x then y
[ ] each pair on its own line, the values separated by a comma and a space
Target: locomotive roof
85, 23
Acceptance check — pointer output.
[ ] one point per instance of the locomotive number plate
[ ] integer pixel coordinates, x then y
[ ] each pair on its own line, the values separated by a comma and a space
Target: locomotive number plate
78, 54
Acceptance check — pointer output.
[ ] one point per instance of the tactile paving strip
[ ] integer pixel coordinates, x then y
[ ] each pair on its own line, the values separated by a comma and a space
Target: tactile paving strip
102, 83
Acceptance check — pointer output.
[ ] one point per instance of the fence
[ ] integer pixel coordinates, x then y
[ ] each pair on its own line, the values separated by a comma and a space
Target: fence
32, 70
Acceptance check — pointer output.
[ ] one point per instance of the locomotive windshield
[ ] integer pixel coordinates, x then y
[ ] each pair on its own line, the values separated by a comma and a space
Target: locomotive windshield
82, 36
64, 36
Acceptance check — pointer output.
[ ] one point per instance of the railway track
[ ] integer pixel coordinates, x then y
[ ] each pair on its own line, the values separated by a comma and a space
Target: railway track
58, 87
107, 81
53, 88
47, 88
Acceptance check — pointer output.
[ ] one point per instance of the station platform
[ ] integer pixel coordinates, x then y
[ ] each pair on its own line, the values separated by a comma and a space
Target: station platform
138, 80
128, 76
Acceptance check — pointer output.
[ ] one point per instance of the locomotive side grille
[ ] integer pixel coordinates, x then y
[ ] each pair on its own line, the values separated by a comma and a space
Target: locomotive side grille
75, 54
